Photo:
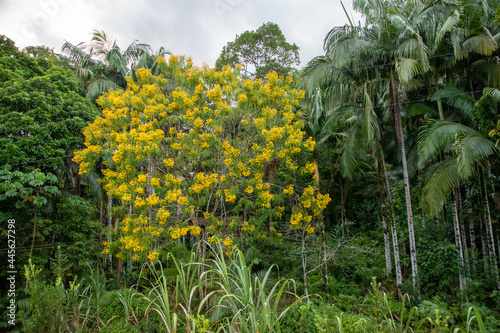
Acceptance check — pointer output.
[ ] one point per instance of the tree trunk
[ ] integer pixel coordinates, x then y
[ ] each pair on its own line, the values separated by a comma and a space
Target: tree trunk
119, 268
383, 215
484, 247
458, 242
304, 264
489, 232
400, 136
472, 234
463, 234
395, 242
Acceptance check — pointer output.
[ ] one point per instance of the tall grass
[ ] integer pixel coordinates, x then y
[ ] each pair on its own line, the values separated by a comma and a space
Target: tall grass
245, 303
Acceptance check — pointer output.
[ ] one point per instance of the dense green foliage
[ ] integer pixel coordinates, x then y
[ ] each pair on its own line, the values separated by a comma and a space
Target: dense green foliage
260, 52
188, 209
42, 114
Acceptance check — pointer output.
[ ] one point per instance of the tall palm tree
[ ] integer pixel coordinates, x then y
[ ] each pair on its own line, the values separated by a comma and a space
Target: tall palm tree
390, 59
467, 149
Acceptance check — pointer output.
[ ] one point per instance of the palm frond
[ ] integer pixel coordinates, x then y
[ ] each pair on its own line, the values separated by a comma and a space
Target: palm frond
439, 180
76, 53
407, 69
99, 85
438, 136
480, 42
487, 69
347, 49
421, 109
116, 59
348, 161
472, 149
456, 98
369, 129
450, 23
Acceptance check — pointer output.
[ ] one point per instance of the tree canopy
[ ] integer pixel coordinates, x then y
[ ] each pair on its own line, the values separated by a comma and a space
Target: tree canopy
42, 112
201, 149
260, 52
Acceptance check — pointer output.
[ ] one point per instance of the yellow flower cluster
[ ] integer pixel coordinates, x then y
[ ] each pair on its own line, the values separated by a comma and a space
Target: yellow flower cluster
247, 227
288, 189
153, 255
266, 199
169, 162
323, 200
295, 219
153, 200
162, 215
203, 182
179, 232
229, 197
310, 167
279, 211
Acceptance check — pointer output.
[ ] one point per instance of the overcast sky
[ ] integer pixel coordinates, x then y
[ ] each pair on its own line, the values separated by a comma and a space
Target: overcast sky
199, 28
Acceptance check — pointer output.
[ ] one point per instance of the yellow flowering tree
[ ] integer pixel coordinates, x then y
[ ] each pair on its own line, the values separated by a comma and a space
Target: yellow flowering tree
198, 151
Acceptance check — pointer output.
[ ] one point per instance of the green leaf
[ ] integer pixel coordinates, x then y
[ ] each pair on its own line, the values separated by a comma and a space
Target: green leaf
40, 201
40, 176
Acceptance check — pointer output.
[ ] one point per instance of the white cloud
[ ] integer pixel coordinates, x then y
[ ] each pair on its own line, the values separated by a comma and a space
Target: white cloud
199, 28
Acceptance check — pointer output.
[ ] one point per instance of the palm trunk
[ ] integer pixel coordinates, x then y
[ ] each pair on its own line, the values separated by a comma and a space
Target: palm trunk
472, 234
400, 136
484, 247
463, 233
489, 232
387, 243
458, 242
304, 264
383, 214
395, 242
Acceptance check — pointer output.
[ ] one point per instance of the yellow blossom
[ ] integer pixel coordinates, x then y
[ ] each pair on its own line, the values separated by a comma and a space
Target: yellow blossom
153, 255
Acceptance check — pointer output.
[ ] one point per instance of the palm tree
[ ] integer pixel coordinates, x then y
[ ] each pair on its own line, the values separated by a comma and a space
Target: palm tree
389, 59
101, 64
468, 151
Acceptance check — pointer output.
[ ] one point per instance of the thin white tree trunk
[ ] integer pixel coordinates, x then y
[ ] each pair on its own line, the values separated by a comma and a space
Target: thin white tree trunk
489, 234
395, 242
383, 215
463, 233
409, 212
472, 233
304, 264
387, 244
458, 243
483, 245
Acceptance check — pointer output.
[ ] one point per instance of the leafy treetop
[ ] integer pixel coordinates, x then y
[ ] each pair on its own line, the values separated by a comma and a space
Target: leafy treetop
42, 112
260, 52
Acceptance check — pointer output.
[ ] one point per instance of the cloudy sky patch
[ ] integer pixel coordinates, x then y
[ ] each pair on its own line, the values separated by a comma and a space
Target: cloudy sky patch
199, 28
